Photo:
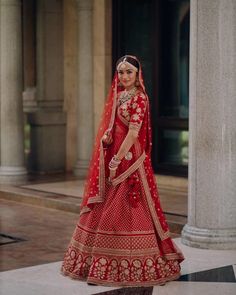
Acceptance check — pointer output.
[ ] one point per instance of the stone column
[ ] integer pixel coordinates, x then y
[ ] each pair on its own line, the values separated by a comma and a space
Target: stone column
212, 167
12, 167
85, 115
47, 153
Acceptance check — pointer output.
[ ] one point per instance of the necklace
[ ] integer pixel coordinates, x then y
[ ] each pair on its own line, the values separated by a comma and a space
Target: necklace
126, 95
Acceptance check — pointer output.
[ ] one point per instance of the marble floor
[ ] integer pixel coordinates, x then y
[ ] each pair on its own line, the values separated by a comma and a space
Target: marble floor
34, 236
205, 272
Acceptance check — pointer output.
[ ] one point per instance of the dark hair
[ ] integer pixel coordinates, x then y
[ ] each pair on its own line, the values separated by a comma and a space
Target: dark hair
133, 61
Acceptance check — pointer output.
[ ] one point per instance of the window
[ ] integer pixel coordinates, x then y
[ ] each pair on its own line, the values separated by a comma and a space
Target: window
158, 33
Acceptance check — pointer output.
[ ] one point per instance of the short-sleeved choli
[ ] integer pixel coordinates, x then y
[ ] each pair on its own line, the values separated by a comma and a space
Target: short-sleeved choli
137, 111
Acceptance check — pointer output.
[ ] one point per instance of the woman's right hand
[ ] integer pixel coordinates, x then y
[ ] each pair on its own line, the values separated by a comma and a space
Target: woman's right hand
107, 137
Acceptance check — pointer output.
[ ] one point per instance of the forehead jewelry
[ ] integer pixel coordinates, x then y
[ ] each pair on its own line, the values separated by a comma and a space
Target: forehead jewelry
125, 63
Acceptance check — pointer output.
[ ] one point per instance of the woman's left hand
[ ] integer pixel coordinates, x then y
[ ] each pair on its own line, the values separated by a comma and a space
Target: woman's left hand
107, 137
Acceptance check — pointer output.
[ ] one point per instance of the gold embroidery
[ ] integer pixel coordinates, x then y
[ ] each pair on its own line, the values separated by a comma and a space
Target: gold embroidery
110, 270
146, 232
130, 170
85, 209
116, 252
163, 235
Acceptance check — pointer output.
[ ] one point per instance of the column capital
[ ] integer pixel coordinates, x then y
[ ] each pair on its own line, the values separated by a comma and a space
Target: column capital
84, 4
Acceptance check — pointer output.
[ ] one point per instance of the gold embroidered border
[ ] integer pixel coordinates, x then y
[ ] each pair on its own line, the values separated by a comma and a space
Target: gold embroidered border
115, 284
133, 283
172, 256
101, 173
118, 236
163, 235
111, 251
113, 113
137, 233
100, 197
85, 209
130, 170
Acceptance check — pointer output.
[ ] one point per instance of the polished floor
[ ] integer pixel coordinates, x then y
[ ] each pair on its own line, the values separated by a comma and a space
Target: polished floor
203, 272
34, 237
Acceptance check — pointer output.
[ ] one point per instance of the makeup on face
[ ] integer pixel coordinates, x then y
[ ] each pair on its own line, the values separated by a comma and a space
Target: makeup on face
127, 76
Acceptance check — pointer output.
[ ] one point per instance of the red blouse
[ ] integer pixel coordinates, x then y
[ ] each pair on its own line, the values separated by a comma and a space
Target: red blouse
133, 111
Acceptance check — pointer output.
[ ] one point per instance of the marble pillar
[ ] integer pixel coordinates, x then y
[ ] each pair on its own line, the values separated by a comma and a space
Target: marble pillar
48, 122
12, 169
212, 168
85, 114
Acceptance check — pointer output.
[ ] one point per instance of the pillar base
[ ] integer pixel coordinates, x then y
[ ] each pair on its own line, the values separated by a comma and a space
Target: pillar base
218, 239
12, 175
81, 168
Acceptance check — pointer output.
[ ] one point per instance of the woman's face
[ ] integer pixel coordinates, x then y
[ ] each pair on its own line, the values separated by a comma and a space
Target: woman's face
127, 76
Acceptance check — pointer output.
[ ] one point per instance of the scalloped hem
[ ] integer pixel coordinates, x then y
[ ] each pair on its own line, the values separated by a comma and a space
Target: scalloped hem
105, 283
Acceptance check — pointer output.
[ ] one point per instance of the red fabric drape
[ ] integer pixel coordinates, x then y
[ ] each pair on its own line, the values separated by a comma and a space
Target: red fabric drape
95, 182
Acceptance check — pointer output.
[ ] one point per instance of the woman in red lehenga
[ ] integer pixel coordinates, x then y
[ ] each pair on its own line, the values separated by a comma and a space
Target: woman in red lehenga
122, 238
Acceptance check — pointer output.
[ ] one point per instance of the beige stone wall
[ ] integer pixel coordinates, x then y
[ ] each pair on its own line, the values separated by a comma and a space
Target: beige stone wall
102, 57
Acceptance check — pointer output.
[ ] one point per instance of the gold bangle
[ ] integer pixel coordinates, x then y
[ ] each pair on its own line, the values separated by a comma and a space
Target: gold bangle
113, 168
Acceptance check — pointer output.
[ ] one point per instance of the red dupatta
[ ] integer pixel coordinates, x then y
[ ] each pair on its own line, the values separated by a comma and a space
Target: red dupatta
94, 189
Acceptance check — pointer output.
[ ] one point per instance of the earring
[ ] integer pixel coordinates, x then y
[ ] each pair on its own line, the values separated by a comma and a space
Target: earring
119, 84
137, 83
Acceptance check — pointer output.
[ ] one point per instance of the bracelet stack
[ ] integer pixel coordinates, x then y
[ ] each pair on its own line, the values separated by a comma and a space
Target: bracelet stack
114, 163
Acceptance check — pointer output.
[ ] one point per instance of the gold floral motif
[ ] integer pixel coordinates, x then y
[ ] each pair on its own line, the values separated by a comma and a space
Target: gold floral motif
103, 261
137, 263
113, 270
124, 263
72, 254
120, 270
136, 117
160, 260
149, 262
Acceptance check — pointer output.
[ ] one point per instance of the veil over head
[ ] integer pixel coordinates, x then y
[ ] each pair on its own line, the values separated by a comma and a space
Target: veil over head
94, 189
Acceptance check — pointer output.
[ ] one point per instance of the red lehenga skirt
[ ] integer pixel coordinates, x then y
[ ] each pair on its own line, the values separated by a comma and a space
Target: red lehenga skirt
124, 241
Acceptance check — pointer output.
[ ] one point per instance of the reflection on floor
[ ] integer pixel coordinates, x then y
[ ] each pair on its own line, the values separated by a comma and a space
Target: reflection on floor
224, 274
205, 272
129, 291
